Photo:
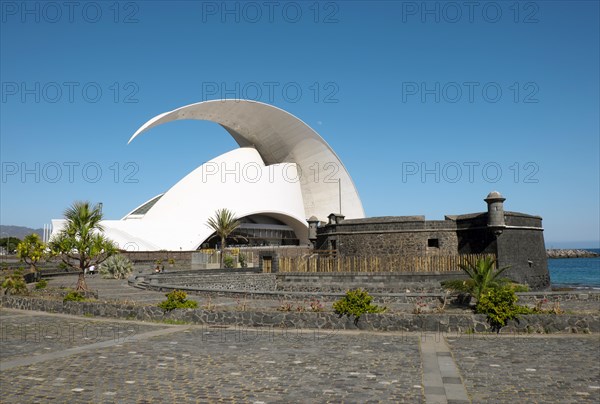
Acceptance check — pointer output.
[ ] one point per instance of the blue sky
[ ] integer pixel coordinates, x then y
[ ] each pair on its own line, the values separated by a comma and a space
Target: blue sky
429, 105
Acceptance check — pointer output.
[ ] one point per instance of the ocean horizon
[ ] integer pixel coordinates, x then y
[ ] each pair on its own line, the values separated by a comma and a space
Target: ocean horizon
578, 273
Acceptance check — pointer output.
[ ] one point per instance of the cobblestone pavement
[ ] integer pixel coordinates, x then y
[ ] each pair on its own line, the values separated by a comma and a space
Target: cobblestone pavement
21, 332
532, 369
203, 364
157, 363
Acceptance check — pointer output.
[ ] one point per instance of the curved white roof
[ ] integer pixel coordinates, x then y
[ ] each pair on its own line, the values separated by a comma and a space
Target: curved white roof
283, 170
280, 137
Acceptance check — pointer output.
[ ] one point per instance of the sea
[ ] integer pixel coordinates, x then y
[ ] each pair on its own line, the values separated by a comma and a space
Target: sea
578, 273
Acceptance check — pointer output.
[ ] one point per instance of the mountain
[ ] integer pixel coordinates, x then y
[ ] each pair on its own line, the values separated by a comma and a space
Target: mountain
18, 231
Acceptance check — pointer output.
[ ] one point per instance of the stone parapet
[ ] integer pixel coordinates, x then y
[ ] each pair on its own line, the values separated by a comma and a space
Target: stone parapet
449, 324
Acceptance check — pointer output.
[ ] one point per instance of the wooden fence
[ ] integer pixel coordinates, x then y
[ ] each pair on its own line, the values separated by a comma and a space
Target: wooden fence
436, 263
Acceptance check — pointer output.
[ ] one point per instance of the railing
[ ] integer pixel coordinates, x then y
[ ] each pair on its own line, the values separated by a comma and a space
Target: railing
434, 263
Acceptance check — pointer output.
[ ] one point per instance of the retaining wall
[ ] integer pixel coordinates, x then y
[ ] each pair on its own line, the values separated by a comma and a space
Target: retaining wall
439, 323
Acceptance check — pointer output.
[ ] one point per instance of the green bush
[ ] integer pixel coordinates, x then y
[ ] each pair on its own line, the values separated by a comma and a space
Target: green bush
177, 299
116, 267
228, 261
74, 296
41, 284
14, 284
242, 261
500, 306
356, 303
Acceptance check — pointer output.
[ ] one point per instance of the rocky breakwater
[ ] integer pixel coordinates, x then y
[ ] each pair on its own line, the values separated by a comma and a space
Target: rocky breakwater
569, 253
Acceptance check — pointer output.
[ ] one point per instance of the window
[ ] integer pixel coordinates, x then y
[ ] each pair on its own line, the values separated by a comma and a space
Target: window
433, 242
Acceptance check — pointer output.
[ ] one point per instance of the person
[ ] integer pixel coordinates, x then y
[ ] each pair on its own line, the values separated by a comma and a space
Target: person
92, 269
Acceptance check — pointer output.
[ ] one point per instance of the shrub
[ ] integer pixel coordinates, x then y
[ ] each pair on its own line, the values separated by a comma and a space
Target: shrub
316, 306
41, 284
74, 296
228, 261
285, 306
116, 267
14, 284
540, 308
356, 303
177, 299
242, 261
500, 306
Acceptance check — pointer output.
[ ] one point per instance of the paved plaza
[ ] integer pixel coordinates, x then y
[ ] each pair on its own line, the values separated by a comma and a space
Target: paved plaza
58, 358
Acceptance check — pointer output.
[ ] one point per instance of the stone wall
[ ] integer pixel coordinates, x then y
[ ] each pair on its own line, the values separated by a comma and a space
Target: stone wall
373, 282
519, 245
223, 281
523, 250
183, 259
454, 325
403, 235
248, 280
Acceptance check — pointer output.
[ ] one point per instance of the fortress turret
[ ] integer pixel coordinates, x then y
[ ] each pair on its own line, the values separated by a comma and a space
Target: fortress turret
313, 224
495, 219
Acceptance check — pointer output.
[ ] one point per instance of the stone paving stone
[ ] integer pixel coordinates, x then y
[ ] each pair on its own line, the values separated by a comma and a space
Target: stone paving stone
540, 369
203, 364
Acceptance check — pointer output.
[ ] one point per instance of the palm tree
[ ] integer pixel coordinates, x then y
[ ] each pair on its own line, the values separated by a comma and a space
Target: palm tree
223, 223
81, 243
483, 276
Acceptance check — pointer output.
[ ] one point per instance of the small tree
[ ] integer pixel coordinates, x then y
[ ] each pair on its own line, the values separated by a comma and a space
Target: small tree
223, 223
81, 243
31, 250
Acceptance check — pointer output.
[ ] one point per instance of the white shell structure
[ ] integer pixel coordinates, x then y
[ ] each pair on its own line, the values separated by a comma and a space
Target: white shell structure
283, 170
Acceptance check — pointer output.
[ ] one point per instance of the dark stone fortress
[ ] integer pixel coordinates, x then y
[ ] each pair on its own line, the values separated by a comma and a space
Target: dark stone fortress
516, 239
